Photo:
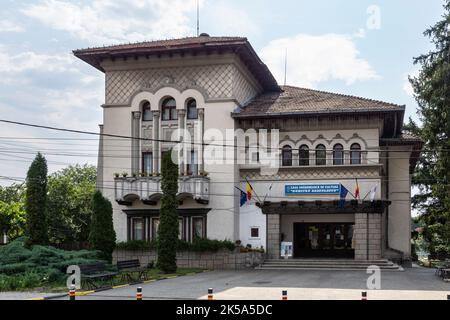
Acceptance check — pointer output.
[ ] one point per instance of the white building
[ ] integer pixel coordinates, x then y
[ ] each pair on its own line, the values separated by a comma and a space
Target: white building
211, 84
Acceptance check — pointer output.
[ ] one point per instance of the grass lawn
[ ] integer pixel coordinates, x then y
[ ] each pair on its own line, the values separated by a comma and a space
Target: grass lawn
153, 274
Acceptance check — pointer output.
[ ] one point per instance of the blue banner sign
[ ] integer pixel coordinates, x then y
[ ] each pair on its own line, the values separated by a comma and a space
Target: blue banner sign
300, 189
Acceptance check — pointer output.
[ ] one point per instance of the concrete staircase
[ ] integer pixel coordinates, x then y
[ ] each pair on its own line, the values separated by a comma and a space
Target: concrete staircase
327, 264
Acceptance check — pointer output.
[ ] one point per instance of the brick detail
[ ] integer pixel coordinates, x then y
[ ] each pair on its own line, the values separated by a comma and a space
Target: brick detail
367, 238
220, 260
273, 236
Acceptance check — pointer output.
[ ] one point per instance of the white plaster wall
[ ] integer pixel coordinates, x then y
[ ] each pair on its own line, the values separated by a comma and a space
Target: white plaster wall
399, 220
223, 219
116, 158
252, 217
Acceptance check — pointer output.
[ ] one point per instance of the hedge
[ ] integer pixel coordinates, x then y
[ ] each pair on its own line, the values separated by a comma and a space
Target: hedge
198, 245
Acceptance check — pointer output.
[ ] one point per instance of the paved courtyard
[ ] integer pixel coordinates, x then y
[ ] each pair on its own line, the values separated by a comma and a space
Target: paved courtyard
414, 283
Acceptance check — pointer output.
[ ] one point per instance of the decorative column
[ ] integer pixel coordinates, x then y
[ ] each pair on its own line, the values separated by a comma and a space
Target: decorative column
367, 236
182, 153
135, 143
199, 143
155, 143
273, 236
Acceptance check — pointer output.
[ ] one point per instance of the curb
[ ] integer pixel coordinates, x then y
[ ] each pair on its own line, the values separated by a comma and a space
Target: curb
84, 293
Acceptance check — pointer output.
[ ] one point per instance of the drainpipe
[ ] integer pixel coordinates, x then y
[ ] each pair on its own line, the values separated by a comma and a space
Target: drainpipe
100, 161
387, 198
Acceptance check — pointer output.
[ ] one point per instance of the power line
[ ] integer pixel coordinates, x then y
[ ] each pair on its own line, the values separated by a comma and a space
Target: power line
161, 140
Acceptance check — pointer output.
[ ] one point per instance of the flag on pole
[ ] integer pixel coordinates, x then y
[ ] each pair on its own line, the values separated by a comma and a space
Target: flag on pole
372, 193
343, 195
242, 197
357, 190
249, 191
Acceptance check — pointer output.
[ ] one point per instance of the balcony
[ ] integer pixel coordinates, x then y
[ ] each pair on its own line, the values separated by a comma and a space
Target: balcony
148, 189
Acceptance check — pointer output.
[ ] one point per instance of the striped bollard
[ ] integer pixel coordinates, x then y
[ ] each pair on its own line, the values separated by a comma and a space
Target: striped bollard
210, 294
72, 293
364, 295
284, 295
139, 293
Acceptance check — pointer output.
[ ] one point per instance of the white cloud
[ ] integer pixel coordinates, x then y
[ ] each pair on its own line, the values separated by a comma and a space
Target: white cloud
107, 21
314, 59
27, 61
223, 17
9, 26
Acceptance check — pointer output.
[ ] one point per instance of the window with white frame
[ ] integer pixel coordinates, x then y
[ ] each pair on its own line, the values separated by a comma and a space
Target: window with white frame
146, 112
138, 229
254, 232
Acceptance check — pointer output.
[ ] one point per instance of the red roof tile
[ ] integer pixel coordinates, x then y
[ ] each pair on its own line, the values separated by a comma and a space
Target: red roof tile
294, 100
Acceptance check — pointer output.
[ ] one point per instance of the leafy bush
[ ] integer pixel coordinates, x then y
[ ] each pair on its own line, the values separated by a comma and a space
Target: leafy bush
136, 245
102, 235
27, 267
202, 245
198, 245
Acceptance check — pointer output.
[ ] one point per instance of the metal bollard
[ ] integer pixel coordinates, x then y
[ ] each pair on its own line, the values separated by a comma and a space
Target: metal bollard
139, 293
210, 294
72, 293
364, 295
284, 295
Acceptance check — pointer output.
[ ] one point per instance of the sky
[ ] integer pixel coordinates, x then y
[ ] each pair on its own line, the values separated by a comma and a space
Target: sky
356, 47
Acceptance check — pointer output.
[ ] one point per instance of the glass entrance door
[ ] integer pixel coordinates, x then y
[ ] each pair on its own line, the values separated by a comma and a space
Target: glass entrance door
323, 240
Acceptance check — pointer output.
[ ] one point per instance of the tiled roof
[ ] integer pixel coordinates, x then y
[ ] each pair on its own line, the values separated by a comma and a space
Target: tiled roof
204, 43
165, 44
409, 137
294, 100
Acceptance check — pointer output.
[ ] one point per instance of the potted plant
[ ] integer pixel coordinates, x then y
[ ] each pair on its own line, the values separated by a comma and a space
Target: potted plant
143, 174
116, 174
134, 174
124, 174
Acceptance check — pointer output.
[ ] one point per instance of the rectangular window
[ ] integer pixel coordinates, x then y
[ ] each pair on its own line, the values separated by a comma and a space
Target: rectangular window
198, 228
138, 228
147, 162
155, 227
192, 167
254, 232
173, 114
181, 228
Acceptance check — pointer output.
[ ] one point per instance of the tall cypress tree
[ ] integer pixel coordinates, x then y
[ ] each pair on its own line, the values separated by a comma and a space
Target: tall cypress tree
102, 236
36, 201
168, 226
432, 92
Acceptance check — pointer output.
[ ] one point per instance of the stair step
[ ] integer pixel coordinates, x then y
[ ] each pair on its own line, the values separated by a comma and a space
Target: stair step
326, 264
325, 268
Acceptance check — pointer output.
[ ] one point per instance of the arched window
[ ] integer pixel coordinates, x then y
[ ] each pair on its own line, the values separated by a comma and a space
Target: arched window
321, 155
355, 154
286, 156
338, 154
169, 109
303, 155
192, 112
146, 112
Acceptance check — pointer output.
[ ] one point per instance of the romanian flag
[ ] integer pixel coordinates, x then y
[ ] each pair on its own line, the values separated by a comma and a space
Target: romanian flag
357, 190
249, 191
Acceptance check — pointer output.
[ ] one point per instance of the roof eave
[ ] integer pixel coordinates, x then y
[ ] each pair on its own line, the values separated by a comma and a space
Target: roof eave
313, 113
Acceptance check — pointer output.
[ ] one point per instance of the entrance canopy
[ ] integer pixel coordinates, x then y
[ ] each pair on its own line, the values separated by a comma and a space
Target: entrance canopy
319, 206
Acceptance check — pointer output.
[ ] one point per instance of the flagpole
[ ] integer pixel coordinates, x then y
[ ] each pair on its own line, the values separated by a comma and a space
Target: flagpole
349, 191
253, 190
270, 188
